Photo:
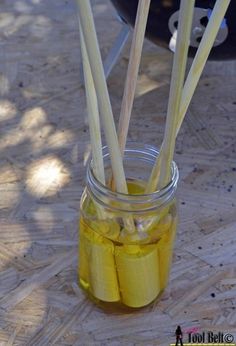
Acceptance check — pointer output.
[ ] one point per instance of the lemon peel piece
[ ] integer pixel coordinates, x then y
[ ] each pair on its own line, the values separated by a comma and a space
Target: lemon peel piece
97, 268
138, 274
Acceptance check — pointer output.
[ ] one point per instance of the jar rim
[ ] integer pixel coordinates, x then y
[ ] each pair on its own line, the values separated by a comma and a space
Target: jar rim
104, 191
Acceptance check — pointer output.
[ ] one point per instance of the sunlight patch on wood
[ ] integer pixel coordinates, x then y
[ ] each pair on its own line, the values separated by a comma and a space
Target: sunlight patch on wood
7, 110
46, 176
146, 84
60, 139
33, 118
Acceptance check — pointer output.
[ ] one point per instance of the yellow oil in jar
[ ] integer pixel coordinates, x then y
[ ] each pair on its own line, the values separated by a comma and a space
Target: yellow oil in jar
121, 270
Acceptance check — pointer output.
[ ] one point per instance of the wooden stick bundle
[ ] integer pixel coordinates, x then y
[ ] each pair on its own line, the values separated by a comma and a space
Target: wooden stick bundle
161, 172
179, 98
202, 54
95, 61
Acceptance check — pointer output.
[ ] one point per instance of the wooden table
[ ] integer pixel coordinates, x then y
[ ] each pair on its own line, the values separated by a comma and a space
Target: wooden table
44, 138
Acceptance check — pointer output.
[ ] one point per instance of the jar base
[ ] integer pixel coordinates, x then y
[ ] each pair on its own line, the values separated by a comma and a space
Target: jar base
120, 278
115, 307
119, 270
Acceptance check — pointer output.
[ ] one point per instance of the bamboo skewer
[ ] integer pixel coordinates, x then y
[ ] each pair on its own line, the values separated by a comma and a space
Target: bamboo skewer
161, 172
95, 61
132, 72
93, 119
93, 116
194, 74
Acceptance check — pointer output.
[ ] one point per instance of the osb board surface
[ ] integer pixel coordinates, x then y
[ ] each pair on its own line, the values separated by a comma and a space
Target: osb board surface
43, 140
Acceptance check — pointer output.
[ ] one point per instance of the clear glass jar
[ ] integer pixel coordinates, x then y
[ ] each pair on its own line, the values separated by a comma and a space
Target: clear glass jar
118, 266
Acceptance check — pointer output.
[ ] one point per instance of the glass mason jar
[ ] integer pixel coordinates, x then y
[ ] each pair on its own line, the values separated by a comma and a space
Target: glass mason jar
122, 266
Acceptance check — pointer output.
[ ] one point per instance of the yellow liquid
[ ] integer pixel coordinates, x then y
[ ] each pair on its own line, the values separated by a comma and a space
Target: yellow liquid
120, 270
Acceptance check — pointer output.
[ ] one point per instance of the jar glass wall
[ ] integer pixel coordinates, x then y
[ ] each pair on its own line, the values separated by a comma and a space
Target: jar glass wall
126, 240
